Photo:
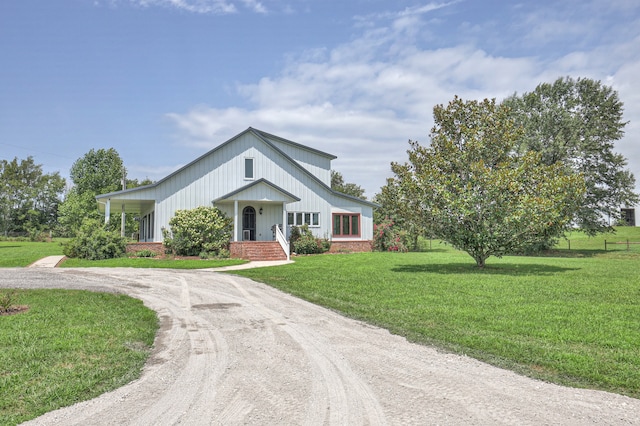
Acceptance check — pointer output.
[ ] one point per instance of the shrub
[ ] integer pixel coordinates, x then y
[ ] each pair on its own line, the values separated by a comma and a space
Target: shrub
203, 229
95, 242
145, 253
7, 299
303, 241
387, 238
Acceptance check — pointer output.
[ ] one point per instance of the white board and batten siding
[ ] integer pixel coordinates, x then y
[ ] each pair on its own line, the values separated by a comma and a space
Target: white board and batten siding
293, 169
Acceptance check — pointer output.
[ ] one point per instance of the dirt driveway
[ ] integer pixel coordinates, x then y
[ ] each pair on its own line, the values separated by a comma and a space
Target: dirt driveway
232, 351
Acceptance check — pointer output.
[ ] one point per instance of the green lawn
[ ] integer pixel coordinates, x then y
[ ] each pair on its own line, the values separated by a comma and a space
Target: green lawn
578, 241
569, 320
24, 253
70, 346
142, 262
15, 254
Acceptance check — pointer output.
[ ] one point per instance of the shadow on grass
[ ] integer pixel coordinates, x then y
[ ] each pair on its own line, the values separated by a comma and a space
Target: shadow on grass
1, 247
470, 268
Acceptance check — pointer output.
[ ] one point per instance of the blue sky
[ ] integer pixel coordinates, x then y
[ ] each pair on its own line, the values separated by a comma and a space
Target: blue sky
163, 81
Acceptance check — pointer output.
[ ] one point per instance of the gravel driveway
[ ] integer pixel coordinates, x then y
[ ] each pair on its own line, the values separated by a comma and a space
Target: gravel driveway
232, 351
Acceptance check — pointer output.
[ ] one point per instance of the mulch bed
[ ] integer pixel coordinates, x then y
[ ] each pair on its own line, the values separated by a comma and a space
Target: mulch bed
14, 310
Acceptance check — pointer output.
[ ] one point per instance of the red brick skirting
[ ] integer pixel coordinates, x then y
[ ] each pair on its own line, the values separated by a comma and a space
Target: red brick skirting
157, 248
245, 250
350, 246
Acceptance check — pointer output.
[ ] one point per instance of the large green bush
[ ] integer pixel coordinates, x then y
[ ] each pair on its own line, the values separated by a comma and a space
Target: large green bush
203, 229
94, 241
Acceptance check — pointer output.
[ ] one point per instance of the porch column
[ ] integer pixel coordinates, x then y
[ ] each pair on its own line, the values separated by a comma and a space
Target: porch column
284, 219
122, 221
107, 210
235, 220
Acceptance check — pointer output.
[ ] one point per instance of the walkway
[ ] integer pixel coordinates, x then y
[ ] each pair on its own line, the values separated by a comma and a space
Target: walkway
47, 262
53, 261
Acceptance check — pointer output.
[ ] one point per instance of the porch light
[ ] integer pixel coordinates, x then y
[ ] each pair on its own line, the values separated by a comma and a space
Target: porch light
260, 211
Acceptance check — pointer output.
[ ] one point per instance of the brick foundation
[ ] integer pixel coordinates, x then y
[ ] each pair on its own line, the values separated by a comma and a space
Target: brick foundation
157, 248
251, 250
350, 246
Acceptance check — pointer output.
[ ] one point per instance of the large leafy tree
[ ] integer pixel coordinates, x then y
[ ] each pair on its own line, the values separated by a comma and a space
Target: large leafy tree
29, 198
397, 211
338, 184
97, 172
577, 122
476, 193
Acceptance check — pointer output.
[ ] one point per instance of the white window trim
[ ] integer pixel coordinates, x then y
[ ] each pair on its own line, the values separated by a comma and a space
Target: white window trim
253, 168
295, 217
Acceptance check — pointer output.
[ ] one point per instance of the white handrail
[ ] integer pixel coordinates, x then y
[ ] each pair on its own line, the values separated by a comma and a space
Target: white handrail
282, 240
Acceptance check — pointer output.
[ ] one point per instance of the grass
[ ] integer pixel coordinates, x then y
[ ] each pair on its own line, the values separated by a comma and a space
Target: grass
68, 347
569, 320
144, 262
581, 244
24, 253
20, 254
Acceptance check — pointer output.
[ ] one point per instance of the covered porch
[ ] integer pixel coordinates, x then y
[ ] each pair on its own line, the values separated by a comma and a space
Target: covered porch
259, 212
143, 209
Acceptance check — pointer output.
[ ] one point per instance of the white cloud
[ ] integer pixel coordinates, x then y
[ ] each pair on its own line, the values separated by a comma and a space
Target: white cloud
255, 6
400, 16
214, 7
364, 99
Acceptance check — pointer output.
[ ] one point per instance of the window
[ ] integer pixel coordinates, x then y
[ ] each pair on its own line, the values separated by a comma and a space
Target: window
248, 168
303, 218
346, 225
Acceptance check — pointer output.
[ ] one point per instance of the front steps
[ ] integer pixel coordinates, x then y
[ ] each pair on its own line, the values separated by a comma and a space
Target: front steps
257, 250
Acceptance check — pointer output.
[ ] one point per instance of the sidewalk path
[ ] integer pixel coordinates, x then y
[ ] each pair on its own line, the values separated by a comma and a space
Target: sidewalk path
53, 261
47, 262
250, 265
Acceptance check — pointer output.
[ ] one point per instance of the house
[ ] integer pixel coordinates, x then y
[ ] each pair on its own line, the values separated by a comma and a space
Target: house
260, 180
630, 216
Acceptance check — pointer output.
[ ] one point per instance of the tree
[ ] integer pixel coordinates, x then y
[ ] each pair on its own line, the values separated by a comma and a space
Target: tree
476, 193
338, 184
395, 215
29, 198
577, 122
97, 172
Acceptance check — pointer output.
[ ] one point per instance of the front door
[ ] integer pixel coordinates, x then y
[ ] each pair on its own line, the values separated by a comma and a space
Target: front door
248, 224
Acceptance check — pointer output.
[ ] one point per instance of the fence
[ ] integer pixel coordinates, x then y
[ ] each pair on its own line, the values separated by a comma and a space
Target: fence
628, 243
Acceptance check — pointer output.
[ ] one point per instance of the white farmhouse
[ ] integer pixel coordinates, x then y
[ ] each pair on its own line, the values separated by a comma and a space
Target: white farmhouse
260, 180
630, 216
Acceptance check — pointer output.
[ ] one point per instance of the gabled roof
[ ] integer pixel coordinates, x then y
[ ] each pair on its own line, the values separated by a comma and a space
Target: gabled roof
292, 143
271, 188
264, 137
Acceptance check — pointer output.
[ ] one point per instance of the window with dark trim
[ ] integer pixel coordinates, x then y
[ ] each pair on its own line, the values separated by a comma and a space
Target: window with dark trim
248, 168
346, 225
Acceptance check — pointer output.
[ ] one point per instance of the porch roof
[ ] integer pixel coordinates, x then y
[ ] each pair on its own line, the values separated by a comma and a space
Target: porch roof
130, 206
260, 190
